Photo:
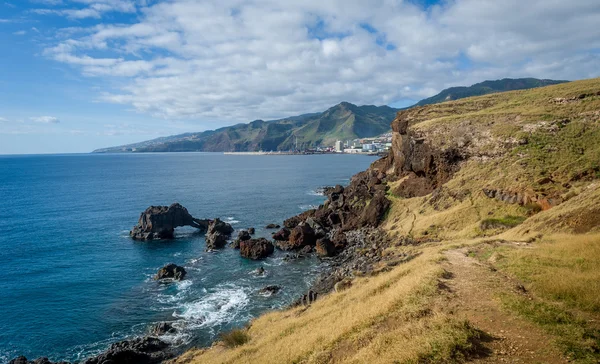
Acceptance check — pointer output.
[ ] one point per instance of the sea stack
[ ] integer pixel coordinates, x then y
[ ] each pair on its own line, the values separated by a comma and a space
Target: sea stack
159, 222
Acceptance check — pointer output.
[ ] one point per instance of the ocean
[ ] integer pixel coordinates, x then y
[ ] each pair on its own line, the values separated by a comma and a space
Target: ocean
73, 281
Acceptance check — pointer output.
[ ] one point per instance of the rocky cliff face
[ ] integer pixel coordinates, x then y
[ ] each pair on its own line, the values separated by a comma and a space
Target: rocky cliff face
422, 166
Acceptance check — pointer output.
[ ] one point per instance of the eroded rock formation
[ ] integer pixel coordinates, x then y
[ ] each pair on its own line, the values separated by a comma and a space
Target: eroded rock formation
159, 222
218, 233
421, 166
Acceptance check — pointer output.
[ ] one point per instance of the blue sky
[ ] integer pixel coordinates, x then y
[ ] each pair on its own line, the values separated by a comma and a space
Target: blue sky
76, 75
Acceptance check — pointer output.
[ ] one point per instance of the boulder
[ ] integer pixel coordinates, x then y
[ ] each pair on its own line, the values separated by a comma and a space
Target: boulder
171, 271
324, 247
163, 328
256, 248
307, 249
242, 235
301, 236
159, 222
145, 350
269, 290
251, 231
282, 235
217, 234
316, 226
44, 360
294, 221
272, 226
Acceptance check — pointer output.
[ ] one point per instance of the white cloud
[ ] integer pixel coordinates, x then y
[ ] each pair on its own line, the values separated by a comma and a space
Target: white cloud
240, 60
45, 119
3, 120
20, 32
86, 8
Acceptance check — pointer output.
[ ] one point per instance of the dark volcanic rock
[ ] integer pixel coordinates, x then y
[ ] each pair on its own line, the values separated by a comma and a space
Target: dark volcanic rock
325, 247
272, 226
293, 221
163, 328
301, 236
146, 350
171, 271
269, 290
23, 360
159, 222
282, 235
256, 248
251, 231
242, 235
217, 234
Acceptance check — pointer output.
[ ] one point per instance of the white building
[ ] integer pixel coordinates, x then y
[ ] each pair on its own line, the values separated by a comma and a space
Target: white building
339, 147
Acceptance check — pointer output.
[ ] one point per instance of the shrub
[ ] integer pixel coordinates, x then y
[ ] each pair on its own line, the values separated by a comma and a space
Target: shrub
235, 338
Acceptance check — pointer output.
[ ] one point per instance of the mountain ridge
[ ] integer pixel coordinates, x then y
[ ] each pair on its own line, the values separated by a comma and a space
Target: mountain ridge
343, 121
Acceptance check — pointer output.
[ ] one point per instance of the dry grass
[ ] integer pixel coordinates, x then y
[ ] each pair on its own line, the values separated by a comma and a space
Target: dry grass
564, 268
393, 317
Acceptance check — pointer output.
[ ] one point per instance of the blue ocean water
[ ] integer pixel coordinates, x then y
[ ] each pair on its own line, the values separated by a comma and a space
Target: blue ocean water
73, 282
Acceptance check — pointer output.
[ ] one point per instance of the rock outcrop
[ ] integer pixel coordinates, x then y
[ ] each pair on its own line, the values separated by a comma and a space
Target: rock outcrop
256, 248
23, 360
146, 350
269, 290
422, 167
163, 328
171, 271
159, 222
217, 235
282, 235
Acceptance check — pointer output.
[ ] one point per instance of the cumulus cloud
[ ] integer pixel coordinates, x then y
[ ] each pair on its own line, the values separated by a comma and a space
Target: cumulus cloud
45, 119
240, 60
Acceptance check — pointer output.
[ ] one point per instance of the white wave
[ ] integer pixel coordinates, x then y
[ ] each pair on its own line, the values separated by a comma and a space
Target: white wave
184, 285
307, 207
177, 254
220, 306
231, 220
317, 192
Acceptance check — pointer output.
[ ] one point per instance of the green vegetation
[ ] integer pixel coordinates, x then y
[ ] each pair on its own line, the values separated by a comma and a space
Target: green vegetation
486, 87
573, 335
341, 122
235, 338
504, 222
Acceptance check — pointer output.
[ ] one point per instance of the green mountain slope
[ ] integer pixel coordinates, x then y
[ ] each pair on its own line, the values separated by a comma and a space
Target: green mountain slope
487, 87
341, 122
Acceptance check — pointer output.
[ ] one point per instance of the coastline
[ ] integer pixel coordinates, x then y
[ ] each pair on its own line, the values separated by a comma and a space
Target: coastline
155, 349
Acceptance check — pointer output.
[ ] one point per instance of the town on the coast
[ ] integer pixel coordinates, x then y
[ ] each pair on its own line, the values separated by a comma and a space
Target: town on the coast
368, 146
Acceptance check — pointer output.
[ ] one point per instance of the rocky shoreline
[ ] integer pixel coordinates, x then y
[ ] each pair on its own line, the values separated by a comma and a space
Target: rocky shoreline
343, 232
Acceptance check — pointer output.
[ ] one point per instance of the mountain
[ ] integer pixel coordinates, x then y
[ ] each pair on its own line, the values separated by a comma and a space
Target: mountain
487, 87
344, 121
341, 122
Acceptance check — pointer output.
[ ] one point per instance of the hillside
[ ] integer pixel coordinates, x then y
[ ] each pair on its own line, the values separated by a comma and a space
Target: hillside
487, 87
341, 122
491, 251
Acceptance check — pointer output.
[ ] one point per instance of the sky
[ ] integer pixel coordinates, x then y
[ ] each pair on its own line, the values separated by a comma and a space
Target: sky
76, 75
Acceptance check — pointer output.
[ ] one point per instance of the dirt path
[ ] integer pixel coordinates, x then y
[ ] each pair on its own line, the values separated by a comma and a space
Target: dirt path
474, 290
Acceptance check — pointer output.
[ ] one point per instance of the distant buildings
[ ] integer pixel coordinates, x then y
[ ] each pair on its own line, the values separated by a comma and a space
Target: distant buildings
339, 146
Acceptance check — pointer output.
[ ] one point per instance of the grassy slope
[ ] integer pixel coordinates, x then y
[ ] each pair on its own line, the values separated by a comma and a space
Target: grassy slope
486, 87
402, 315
